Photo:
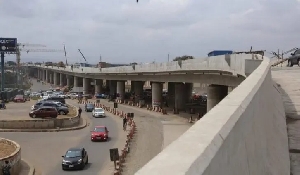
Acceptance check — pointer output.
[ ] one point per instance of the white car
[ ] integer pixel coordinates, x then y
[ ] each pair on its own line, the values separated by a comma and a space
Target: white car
98, 112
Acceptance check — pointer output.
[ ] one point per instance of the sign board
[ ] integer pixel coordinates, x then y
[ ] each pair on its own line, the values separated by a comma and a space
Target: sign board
114, 154
8, 45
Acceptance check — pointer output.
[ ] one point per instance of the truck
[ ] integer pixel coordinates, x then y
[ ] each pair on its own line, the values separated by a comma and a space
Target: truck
219, 52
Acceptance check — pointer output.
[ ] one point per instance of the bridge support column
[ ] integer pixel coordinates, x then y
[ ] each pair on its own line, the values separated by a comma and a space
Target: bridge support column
98, 86
132, 86
61, 80
112, 87
171, 94
157, 88
179, 96
76, 83
138, 87
55, 79
47, 76
51, 78
215, 94
86, 85
70, 80
188, 89
121, 90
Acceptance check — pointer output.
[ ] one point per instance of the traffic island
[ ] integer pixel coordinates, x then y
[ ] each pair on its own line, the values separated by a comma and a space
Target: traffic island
10, 151
63, 123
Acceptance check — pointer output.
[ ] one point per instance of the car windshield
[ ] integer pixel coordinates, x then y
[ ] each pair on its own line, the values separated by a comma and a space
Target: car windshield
90, 105
99, 129
19, 96
71, 154
99, 110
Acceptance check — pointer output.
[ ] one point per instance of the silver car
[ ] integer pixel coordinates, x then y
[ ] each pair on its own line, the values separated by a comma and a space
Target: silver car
98, 112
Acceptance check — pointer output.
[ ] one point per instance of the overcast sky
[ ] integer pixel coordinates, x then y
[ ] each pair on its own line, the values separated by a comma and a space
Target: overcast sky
124, 31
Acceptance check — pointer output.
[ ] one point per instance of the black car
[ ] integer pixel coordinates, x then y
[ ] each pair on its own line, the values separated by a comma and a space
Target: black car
75, 158
89, 107
62, 110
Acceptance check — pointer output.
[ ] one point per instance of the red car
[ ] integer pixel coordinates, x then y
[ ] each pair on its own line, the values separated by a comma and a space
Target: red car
99, 133
19, 98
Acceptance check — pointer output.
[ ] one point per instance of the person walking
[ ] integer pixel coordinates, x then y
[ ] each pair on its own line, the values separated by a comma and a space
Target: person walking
79, 112
6, 168
124, 123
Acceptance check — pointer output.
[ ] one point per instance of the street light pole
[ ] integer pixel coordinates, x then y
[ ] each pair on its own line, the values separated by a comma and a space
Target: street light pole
2, 72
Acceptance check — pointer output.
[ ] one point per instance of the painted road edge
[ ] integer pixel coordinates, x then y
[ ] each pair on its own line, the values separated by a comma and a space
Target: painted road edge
31, 167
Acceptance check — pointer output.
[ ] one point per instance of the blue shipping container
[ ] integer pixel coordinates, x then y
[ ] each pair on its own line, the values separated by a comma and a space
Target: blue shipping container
219, 52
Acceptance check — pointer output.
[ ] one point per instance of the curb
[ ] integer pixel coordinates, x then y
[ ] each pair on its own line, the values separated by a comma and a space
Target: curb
31, 167
83, 125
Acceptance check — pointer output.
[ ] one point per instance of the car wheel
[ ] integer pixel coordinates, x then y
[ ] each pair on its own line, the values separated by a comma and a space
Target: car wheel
82, 165
33, 116
63, 168
62, 113
87, 160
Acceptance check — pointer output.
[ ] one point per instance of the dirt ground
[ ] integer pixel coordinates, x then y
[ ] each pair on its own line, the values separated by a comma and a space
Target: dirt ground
6, 150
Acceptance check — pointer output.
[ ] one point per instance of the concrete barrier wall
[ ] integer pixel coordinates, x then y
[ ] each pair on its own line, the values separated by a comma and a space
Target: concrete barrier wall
245, 134
40, 123
14, 159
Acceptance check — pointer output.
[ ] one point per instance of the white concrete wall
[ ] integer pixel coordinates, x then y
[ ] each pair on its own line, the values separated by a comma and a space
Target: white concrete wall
245, 134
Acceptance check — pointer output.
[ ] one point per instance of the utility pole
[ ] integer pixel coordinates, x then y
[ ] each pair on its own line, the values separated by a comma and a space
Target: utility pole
168, 57
100, 58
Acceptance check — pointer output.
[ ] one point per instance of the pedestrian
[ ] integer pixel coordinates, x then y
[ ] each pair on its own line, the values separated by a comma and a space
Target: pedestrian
124, 123
6, 168
79, 111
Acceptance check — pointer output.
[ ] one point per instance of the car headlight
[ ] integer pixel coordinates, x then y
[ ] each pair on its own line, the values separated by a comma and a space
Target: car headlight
64, 161
79, 161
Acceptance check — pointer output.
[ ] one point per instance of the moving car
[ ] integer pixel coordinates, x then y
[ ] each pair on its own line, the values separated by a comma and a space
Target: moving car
44, 112
98, 112
99, 133
19, 98
75, 158
89, 107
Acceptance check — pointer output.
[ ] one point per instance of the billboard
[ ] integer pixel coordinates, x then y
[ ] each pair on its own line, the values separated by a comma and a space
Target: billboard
8, 45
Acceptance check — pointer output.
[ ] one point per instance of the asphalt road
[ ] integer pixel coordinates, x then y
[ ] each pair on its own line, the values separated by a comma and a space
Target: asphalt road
44, 150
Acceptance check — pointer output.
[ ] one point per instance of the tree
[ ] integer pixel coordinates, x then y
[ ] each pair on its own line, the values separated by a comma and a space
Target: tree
11, 63
184, 57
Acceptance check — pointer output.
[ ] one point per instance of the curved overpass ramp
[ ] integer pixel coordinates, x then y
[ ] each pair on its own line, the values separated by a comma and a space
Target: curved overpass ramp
245, 134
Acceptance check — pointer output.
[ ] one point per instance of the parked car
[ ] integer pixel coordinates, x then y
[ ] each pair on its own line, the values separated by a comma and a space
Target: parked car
98, 112
62, 110
43, 112
99, 133
294, 58
89, 107
55, 98
75, 158
19, 98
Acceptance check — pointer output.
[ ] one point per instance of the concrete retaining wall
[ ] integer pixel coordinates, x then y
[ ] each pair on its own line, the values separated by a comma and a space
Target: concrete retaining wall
14, 159
245, 134
40, 123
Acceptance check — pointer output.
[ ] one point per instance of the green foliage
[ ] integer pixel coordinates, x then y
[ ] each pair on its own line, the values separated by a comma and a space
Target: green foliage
184, 57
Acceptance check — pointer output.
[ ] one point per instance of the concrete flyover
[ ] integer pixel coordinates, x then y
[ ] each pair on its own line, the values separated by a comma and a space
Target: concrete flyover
14, 159
227, 70
244, 134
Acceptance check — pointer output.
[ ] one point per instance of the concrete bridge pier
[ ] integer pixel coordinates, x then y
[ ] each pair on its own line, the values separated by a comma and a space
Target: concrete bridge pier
51, 78
76, 81
121, 90
171, 94
61, 80
55, 79
47, 76
215, 94
157, 88
70, 80
112, 87
98, 86
138, 87
86, 85
183, 93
